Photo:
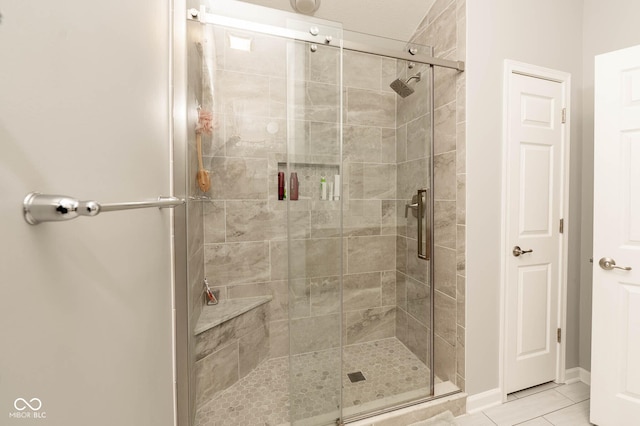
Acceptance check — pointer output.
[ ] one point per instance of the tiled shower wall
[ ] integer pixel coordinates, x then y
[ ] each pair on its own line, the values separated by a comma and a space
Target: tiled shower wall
245, 225
444, 29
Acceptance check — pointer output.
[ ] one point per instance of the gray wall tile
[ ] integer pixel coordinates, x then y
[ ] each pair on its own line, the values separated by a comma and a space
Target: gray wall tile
461, 196
445, 317
235, 263
370, 324
361, 291
299, 298
242, 93
418, 137
444, 359
362, 70
445, 128
214, 221
401, 143
367, 254
416, 338
445, 270
216, 372
445, 176
460, 282
401, 291
250, 136
445, 223
445, 86
362, 143
238, 178
253, 349
226, 333
252, 220
388, 283
412, 175
324, 65
418, 301
401, 254
278, 338
370, 108
380, 181
325, 295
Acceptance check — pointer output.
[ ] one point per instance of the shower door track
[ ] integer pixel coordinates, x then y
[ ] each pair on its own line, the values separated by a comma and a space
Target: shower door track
411, 54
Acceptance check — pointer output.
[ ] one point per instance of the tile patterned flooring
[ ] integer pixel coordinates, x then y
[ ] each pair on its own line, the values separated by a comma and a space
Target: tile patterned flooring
544, 405
261, 398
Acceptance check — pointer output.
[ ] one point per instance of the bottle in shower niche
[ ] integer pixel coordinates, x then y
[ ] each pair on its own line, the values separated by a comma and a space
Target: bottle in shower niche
293, 186
280, 185
323, 188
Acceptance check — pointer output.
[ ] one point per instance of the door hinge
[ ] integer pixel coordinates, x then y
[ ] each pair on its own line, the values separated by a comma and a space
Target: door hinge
559, 334
564, 115
562, 226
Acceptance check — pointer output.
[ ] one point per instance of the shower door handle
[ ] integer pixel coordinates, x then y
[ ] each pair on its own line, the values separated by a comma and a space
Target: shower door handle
423, 198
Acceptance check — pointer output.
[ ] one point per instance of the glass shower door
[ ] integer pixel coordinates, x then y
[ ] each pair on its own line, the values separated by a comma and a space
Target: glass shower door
312, 171
386, 292
316, 164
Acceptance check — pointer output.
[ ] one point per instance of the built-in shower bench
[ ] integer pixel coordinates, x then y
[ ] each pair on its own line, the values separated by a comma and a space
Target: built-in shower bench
231, 339
214, 315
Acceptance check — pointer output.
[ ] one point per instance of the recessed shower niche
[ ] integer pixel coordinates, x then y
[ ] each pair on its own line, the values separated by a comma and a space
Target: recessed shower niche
328, 284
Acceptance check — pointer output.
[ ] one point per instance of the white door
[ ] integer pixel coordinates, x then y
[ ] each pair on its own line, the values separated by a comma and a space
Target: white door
615, 365
535, 139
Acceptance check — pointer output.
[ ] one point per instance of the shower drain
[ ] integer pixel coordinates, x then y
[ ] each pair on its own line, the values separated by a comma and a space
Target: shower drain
356, 377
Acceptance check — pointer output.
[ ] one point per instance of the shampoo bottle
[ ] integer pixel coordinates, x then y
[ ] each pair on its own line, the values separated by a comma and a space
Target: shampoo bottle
293, 186
323, 188
280, 185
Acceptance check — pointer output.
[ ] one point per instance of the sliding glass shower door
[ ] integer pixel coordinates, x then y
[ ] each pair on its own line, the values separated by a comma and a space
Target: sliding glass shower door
312, 171
321, 207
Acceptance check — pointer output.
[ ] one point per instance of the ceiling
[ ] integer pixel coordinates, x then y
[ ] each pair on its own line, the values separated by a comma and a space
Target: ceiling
396, 19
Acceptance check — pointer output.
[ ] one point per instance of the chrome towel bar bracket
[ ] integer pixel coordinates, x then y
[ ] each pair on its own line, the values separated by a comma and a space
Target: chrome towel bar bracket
38, 208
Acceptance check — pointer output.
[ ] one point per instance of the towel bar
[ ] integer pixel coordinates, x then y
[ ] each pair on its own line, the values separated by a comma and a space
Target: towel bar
38, 208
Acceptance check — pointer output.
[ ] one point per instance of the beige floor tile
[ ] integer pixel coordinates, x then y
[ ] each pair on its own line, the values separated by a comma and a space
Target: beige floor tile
529, 408
477, 419
575, 415
577, 392
538, 421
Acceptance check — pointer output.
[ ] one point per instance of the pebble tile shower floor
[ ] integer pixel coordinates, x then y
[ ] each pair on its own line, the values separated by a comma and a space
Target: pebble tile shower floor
262, 397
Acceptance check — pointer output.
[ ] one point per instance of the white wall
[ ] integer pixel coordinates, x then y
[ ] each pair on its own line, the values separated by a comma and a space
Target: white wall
608, 26
390, 19
85, 322
547, 33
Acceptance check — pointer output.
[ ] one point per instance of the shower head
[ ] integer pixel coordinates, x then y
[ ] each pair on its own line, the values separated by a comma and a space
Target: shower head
402, 87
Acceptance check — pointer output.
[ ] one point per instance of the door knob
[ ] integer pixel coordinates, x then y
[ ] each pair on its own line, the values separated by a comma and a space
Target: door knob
517, 251
608, 264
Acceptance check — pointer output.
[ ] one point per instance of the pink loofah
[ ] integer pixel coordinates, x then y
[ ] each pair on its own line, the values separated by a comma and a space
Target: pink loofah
205, 121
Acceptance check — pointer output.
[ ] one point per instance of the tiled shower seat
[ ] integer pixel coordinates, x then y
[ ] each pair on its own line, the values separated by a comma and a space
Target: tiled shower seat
232, 339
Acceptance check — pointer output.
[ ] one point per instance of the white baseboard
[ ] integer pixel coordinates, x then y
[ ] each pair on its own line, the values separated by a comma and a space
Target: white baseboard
493, 397
484, 400
577, 374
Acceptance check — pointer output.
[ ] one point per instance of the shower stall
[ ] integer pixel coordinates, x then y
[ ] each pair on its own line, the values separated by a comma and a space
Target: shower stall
323, 252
